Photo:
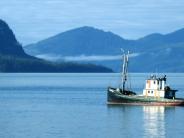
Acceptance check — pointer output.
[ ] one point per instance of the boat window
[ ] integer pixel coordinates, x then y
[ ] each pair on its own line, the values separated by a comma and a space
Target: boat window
148, 91
154, 82
151, 91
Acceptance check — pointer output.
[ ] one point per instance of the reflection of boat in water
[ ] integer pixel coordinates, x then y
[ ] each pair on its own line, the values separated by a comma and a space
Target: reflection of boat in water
154, 121
156, 91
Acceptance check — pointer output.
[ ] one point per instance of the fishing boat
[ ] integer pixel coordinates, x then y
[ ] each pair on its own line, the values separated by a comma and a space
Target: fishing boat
156, 91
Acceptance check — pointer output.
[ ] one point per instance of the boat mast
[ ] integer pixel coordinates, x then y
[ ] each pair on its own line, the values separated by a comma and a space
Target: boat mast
125, 69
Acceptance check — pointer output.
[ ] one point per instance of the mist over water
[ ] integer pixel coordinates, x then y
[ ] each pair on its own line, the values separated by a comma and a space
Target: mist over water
74, 106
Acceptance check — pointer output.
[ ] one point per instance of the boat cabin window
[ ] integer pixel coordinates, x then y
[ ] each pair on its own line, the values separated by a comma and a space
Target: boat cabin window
154, 82
151, 91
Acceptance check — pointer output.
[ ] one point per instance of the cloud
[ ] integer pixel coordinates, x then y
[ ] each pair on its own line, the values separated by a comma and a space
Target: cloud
84, 57
50, 57
92, 58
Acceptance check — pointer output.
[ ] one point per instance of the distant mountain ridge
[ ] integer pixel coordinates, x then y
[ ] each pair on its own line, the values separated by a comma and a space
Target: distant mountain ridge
14, 59
154, 52
160, 39
72, 41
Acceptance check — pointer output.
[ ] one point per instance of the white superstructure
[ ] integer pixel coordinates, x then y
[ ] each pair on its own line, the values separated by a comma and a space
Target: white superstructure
156, 87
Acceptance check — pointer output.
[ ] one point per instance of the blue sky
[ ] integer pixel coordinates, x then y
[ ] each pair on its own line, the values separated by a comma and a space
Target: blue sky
34, 20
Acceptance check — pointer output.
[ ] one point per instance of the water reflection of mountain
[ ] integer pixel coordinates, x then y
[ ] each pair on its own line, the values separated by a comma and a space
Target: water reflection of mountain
154, 121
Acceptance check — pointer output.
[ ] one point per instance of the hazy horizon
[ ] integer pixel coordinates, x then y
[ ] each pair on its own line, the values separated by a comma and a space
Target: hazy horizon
35, 20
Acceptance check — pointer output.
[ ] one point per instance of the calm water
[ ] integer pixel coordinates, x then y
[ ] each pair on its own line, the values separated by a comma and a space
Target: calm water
74, 106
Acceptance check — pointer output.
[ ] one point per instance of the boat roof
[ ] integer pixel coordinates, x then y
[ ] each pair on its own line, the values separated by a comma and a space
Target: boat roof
154, 77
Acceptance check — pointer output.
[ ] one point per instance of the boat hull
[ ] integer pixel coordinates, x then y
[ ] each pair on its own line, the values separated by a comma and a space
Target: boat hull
115, 97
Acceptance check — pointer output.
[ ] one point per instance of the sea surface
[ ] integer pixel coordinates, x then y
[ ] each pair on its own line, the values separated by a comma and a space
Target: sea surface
74, 106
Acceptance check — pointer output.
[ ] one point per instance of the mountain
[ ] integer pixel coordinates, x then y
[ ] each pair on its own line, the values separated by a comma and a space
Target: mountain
84, 40
157, 40
8, 43
14, 59
152, 53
